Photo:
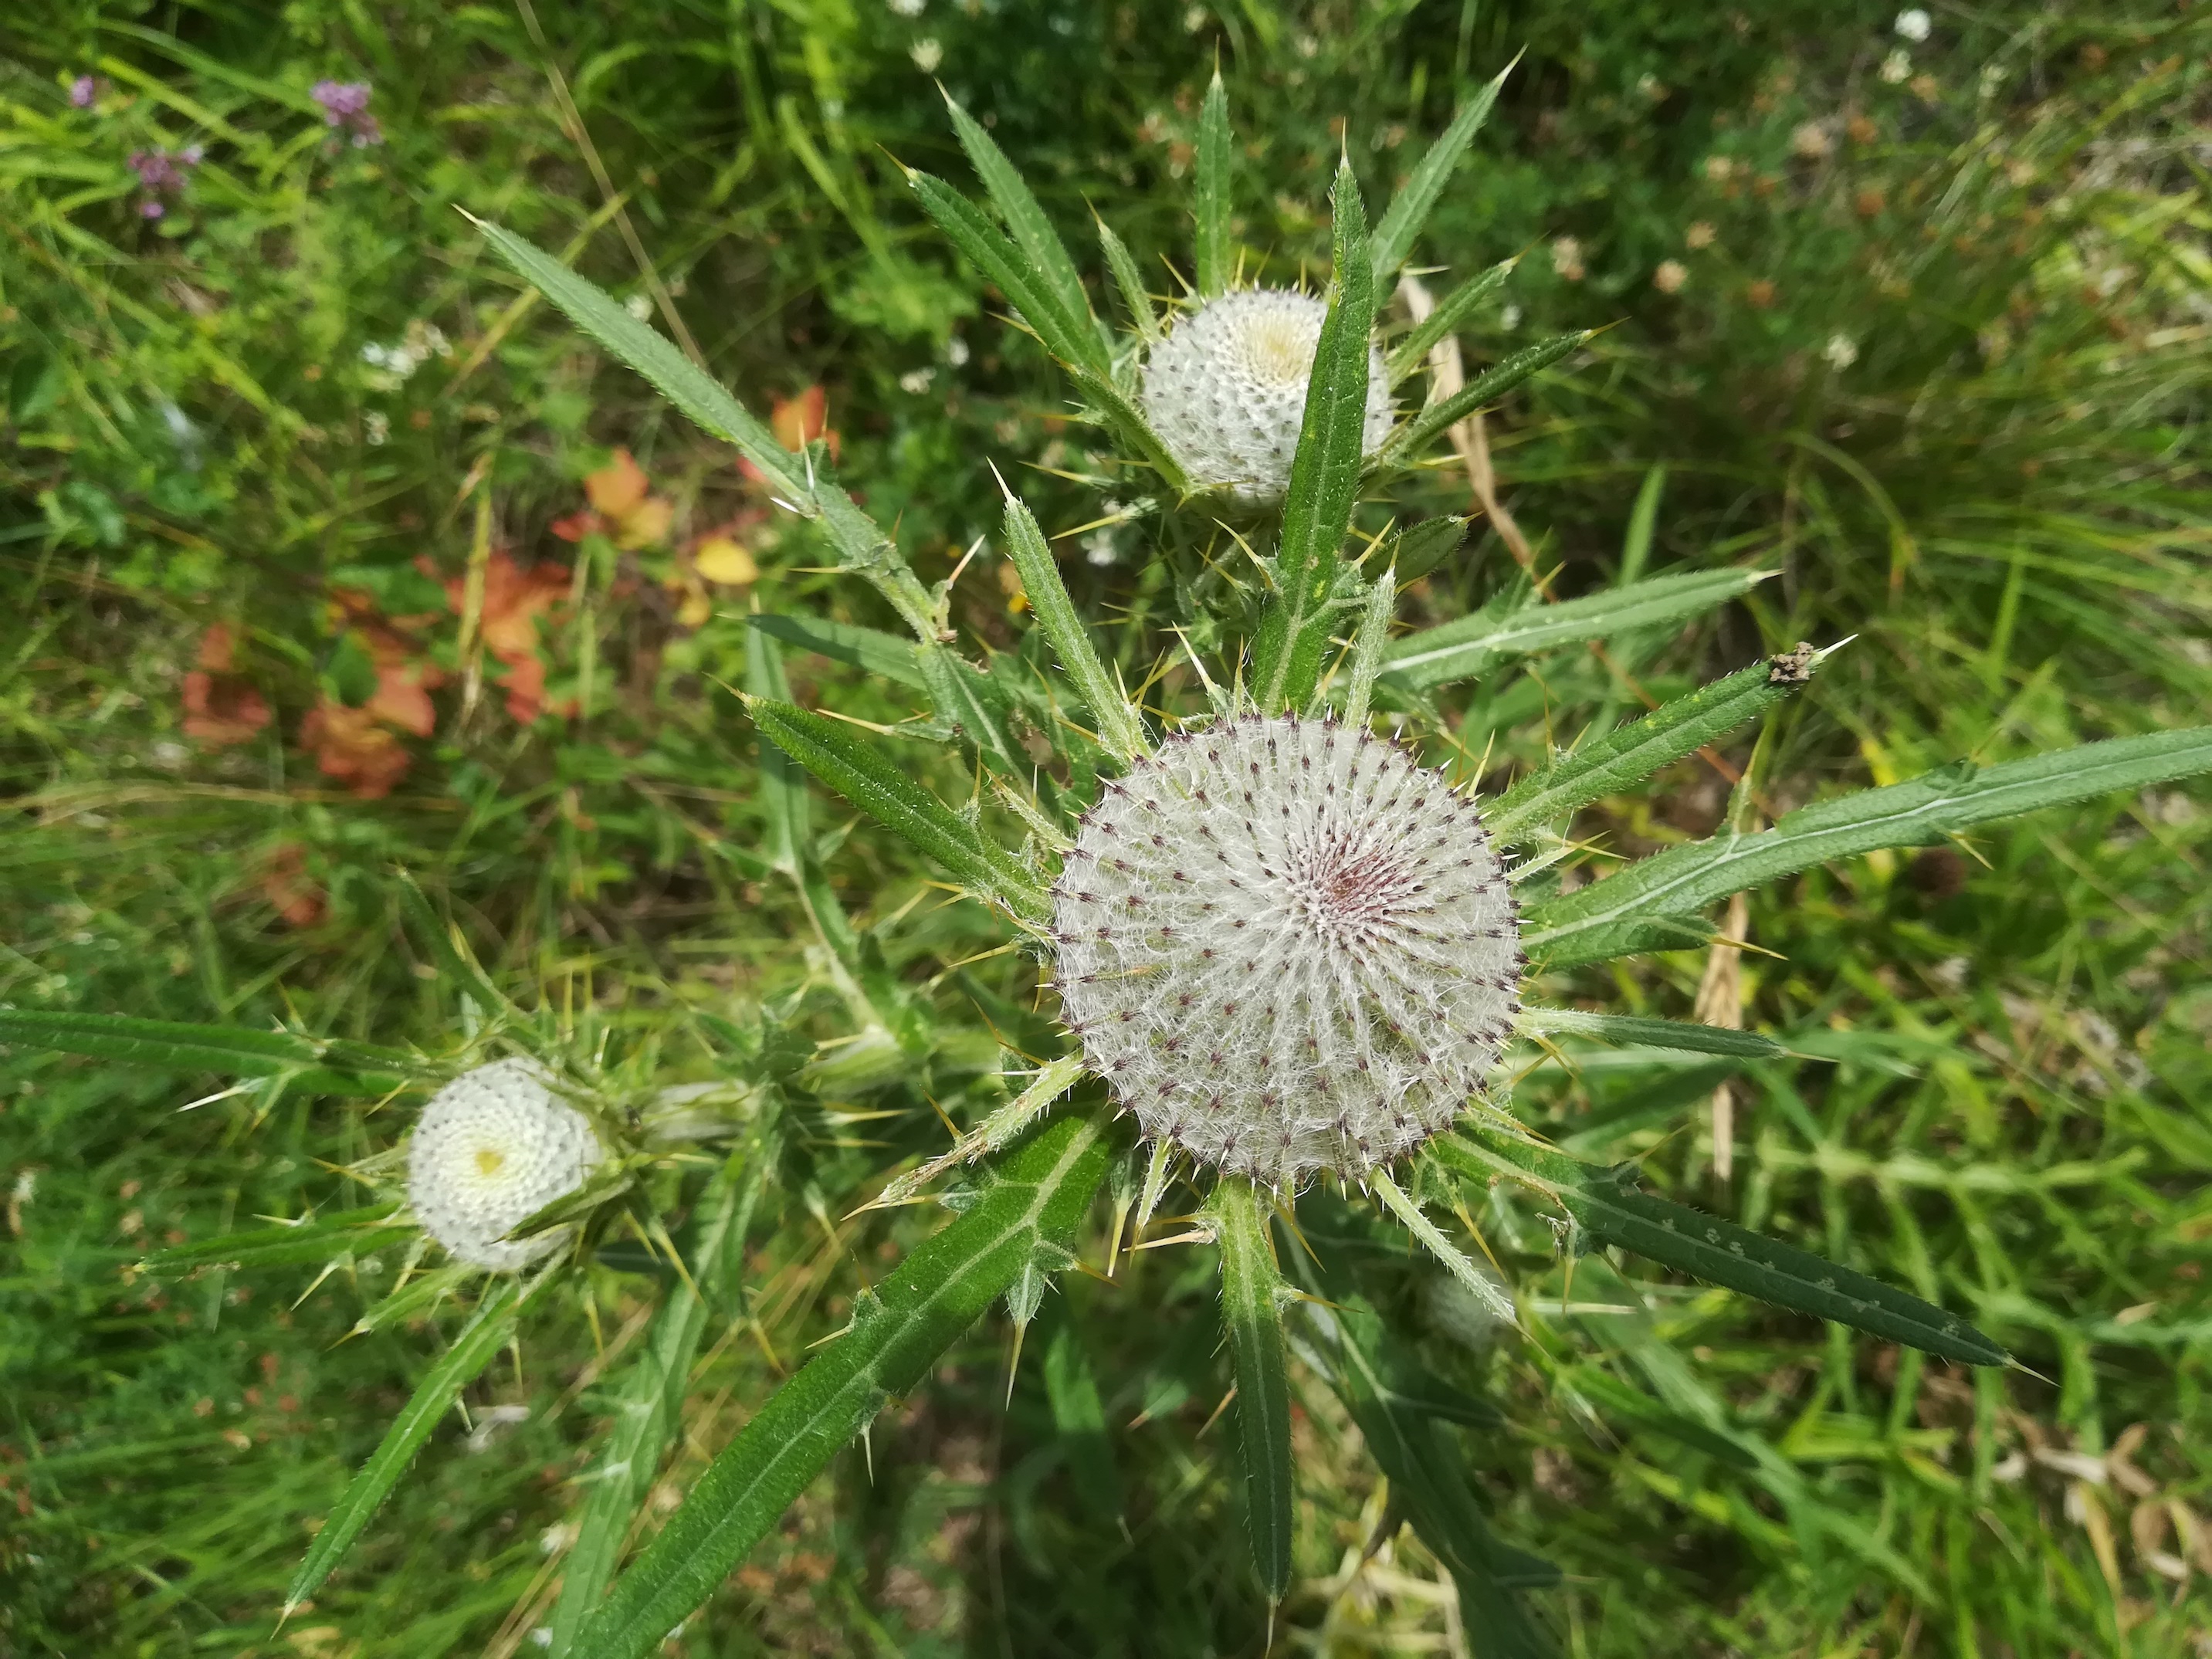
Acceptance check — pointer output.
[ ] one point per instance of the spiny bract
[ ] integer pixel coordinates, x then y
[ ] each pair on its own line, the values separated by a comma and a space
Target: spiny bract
493, 1148
1287, 946
1226, 389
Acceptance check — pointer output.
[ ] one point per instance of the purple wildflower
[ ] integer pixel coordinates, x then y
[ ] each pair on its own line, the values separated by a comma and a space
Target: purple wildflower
82, 91
162, 174
345, 107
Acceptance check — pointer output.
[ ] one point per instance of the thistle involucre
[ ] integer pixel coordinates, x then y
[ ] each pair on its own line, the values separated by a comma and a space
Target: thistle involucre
494, 1146
1226, 389
1287, 947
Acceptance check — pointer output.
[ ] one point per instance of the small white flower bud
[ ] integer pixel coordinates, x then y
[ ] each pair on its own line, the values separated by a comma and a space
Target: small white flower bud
1287, 947
494, 1146
1226, 389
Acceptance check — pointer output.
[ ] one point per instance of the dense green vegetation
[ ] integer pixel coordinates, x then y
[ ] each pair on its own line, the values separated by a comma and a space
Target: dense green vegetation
340, 568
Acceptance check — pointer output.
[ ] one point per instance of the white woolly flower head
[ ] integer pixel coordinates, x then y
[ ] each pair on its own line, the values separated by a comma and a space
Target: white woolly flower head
1226, 389
1287, 947
494, 1146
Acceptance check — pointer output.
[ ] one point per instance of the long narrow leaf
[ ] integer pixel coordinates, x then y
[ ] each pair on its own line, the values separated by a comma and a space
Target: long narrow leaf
1635, 752
1114, 410
680, 380
1032, 232
842, 759
448, 955
173, 1046
1684, 1036
1069, 337
1606, 1203
1463, 649
1031, 1211
1131, 282
868, 649
311, 1238
1055, 614
1409, 208
1453, 310
1210, 191
1640, 908
1251, 1308
1439, 417
1324, 483
478, 1344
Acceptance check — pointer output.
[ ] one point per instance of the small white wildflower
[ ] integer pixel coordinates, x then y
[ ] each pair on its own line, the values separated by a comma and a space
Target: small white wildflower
1670, 275
491, 1422
1912, 24
1567, 258
916, 379
1897, 66
1841, 351
1509, 318
907, 7
1287, 947
541, 1636
1226, 389
926, 55
640, 306
170, 756
956, 352
1098, 548
493, 1148
376, 427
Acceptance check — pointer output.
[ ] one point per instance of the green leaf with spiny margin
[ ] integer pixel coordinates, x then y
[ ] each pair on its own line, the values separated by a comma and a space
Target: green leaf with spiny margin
1434, 418
842, 758
1252, 1309
165, 1045
1463, 649
1608, 1206
1112, 408
1453, 310
1634, 753
1032, 232
872, 650
1644, 906
1055, 614
681, 382
1687, 1037
1420, 548
1069, 337
1409, 208
478, 1346
449, 955
311, 1238
1131, 282
1210, 194
1286, 652
1034, 1203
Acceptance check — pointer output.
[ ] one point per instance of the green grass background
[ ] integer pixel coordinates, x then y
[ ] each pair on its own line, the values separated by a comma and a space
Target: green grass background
2002, 492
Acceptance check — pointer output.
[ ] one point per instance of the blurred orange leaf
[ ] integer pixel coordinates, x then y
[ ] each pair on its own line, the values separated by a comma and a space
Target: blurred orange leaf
220, 710
297, 897
349, 745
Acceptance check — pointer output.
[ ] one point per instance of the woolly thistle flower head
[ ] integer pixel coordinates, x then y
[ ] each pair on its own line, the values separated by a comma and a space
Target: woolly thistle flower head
1226, 389
1287, 947
494, 1146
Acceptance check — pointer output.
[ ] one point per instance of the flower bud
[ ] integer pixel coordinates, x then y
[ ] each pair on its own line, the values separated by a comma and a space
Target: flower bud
494, 1146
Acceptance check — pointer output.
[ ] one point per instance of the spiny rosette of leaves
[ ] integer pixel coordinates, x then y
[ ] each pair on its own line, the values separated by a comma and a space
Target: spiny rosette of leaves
1287, 946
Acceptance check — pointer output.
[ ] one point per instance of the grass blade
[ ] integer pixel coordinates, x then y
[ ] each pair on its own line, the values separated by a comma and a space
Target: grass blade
1251, 1308
1131, 282
479, 1343
1686, 1036
842, 758
1325, 471
1605, 1204
1460, 650
1441, 415
165, 1045
677, 378
1409, 208
1068, 336
1031, 1209
1636, 751
1454, 308
1642, 907
1210, 191
1032, 232
1055, 614
872, 652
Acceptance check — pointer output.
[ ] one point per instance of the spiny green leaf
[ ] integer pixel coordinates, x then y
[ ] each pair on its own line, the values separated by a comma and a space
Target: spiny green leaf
1434, 418
1286, 651
1409, 208
478, 1344
1463, 649
1642, 907
842, 757
175, 1046
1068, 336
437, 938
1420, 548
868, 649
1210, 195
1055, 614
1032, 232
680, 380
1684, 1036
1113, 408
1131, 282
1037, 1200
1251, 1308
1608, 1206
311, 1238
1635, 752
1453, 310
